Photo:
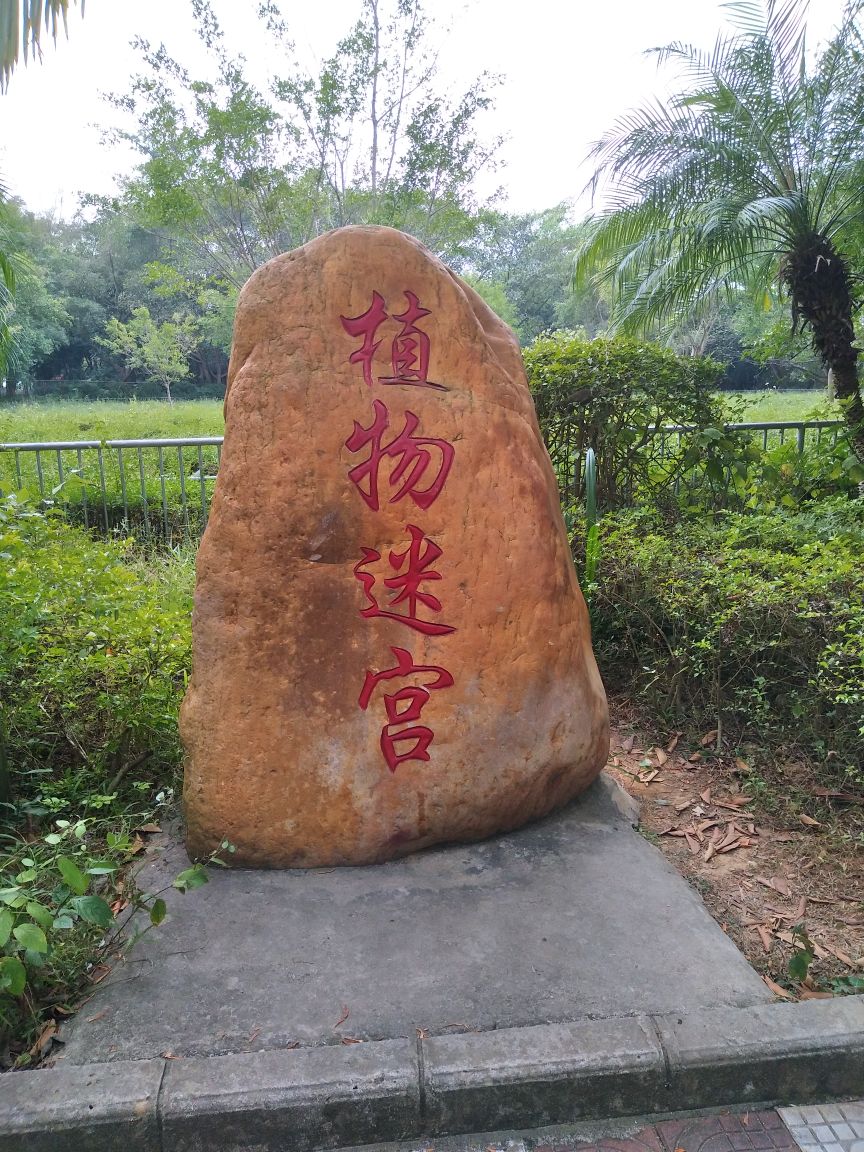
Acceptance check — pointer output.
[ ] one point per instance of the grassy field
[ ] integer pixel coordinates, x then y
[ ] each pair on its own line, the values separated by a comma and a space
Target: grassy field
143, 419
109, 420
766, 407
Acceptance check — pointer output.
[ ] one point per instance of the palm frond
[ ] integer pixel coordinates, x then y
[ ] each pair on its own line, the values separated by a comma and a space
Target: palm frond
23, 25
707, 193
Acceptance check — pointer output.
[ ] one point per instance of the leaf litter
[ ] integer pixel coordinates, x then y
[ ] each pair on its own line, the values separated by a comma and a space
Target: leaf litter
721, 841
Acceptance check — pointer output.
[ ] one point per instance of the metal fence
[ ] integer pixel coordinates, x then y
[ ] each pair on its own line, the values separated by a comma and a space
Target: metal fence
664, 450
161, 489
154, 489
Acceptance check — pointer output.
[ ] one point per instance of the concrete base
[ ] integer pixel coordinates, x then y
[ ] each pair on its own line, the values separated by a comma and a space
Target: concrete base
559, 974
577, 916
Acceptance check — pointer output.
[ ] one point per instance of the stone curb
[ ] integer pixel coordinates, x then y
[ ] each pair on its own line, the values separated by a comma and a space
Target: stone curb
387, 1090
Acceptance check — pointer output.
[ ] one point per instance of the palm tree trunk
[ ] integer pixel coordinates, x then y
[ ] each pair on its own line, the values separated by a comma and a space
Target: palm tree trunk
848, 391
820, 286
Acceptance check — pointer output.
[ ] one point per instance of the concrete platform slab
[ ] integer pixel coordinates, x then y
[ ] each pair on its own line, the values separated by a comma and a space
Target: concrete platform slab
574, 917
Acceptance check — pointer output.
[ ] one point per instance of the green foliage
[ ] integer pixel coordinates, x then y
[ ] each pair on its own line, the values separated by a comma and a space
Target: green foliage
94, 656
238, 174
61, 895
93, 659
159, 351
611, 395
527, 260
754, 623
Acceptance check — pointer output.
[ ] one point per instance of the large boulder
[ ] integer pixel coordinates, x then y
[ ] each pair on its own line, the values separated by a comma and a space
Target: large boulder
390, 645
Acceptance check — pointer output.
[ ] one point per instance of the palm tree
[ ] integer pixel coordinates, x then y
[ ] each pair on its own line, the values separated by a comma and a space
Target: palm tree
22, 28
749, 177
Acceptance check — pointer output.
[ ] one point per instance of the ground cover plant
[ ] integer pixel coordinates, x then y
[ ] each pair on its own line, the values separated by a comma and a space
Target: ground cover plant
749, 625
94, 655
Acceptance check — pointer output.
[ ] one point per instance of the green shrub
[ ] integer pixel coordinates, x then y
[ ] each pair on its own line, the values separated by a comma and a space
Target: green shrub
754, 622
611, 395
94, 654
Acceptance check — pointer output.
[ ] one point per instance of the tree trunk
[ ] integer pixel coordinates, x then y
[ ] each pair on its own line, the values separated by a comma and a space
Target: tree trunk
819, 283
848, 391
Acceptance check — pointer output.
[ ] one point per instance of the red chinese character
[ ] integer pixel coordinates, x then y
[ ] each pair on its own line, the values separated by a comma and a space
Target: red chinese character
366, 326
410, 350
405, 706
406, 585
413, 453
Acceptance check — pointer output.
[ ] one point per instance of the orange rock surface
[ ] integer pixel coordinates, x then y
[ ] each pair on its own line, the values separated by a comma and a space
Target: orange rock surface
391, 649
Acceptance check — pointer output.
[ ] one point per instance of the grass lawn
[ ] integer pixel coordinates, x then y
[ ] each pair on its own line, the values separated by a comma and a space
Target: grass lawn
109, 420
795, 404
149, 419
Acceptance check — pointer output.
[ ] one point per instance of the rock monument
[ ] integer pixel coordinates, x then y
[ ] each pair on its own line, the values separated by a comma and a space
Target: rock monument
391, 649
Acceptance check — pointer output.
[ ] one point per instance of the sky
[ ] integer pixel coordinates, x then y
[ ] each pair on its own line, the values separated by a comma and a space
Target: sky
569, 68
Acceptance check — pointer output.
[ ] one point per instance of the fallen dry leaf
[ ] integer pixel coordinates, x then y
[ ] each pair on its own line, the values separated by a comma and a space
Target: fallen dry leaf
841, 956
710, 851
709, 738
169, 1056
673, 743
736, 803
149, 829
692, 844
99, 973
742, 766
741, 842
777, 990
660, 756
766, 938
346, 1012
695, 758
98, 1016
705, 796
351, 1040
809, 994
627, 743
846, 797
43, 1041
789, 938
809, 821
706, 824
683, 806
647, 777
